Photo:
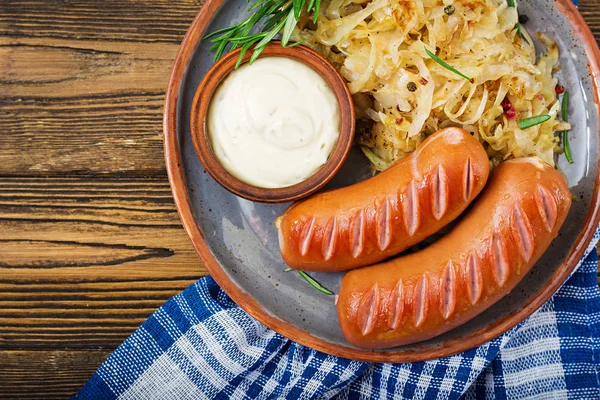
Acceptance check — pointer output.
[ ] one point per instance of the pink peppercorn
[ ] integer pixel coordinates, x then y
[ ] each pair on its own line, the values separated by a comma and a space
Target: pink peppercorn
511, 113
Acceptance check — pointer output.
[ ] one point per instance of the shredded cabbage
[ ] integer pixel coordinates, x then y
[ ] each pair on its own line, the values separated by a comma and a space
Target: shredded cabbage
379, 48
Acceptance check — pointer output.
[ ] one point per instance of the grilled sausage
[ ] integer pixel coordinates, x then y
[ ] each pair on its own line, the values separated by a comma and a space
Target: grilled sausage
372, 220
421, 295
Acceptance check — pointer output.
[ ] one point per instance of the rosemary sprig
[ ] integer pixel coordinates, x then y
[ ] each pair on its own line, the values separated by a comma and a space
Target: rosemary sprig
565, 137
446, 65
269, 18
312, 282
533, 121
315, 284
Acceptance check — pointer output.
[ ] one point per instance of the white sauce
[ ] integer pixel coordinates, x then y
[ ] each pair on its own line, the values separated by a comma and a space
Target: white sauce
274, 123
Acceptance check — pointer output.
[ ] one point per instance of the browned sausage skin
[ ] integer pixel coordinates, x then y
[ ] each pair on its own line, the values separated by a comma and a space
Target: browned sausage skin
368, 222
424, 294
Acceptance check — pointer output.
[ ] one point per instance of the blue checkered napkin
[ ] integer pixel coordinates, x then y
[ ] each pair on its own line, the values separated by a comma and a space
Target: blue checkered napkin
200, 345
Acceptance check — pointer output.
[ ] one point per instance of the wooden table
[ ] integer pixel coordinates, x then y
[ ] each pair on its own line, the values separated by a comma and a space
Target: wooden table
90, 241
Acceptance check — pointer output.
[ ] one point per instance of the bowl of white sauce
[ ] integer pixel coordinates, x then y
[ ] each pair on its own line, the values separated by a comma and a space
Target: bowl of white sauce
275, 130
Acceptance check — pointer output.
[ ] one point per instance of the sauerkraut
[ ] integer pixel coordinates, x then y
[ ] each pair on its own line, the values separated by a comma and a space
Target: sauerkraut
402, 95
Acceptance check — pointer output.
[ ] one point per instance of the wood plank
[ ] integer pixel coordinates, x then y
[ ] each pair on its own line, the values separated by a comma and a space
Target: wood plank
85, 261
156, 21
52, 374
591, 14
82, 108
82, 84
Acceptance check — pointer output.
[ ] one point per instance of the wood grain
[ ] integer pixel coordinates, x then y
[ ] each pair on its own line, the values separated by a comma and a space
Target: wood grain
79, 109
84, 262
156, 21
591, 14
90, 241
87, 260
57, 374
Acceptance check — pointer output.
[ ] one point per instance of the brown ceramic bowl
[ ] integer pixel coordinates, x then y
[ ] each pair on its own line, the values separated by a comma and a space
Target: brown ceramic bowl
202, 144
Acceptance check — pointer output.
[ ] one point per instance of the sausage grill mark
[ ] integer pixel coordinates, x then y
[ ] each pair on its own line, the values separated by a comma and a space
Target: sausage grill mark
474, 278
439, 193
448, 291
410, 205
367, 310
396, 305
546, 207
421, 297
306, 236
468, 178
522, 233
500, 257
329, 239
384, 224
357, 234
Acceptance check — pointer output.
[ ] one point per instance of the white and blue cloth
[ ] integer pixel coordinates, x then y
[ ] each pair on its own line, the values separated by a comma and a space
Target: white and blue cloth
201, 345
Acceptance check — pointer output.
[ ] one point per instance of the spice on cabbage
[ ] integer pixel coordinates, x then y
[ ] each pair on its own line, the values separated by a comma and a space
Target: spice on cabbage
411, 86
449, 10
508, 108
565, 137
533, 121
446, 65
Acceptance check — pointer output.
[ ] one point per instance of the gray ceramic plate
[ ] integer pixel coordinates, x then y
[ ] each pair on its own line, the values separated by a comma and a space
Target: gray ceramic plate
238, 243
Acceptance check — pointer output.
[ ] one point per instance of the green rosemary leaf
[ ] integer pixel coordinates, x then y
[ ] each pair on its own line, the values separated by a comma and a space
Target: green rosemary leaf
446, 65
242, 53
256, 4
253, 38
257, 52
275, 18
565, 137
219, 31
312, 282
288, 269
271, 35
221, 48
296, 44
533, 121
290, 24
268, 19
298, 4
316, 11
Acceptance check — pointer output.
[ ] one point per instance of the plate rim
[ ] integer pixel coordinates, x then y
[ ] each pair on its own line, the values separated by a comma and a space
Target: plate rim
449, 347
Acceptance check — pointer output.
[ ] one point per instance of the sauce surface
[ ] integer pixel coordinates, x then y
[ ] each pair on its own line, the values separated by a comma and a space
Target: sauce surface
274, 123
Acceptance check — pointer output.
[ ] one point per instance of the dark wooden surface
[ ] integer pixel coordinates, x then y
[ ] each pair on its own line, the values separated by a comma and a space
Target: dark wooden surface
90, 241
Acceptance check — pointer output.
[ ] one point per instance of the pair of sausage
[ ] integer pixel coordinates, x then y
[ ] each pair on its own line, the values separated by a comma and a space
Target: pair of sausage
375, 219
421, 295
